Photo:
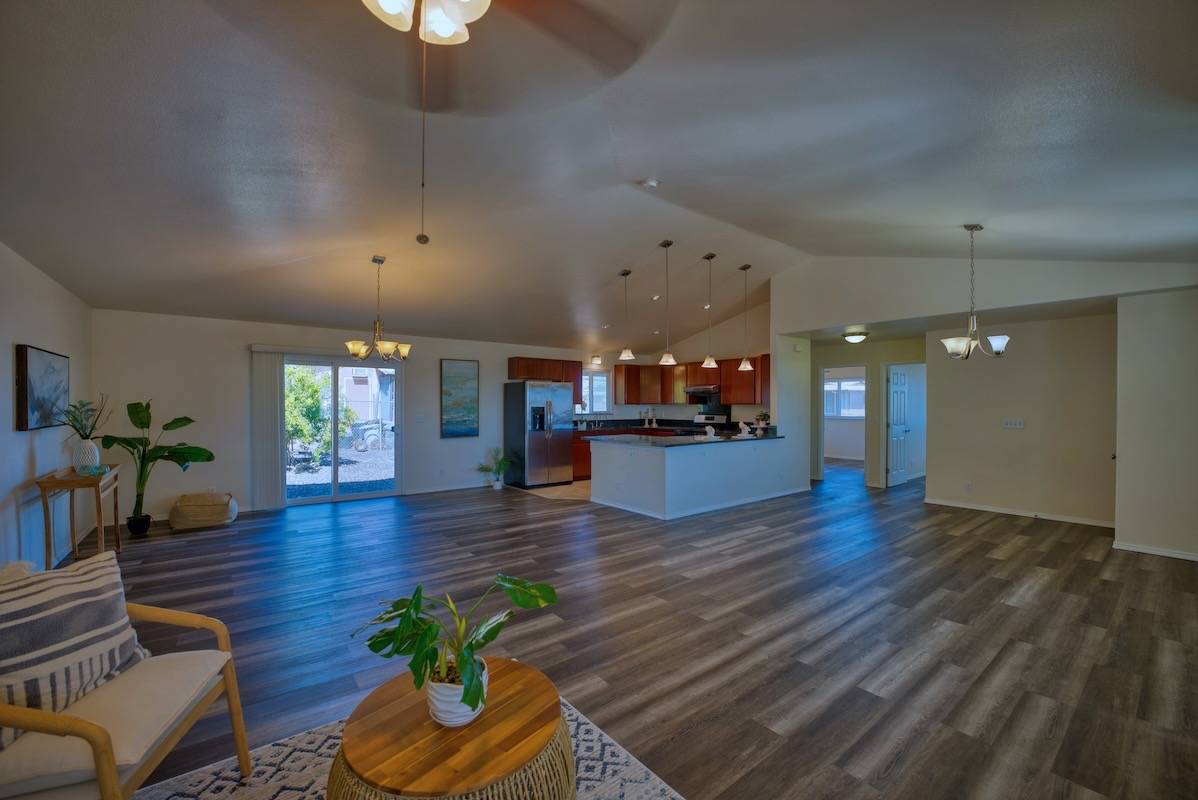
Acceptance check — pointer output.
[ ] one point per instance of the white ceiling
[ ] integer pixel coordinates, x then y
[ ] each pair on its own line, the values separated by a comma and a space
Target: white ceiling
244, 158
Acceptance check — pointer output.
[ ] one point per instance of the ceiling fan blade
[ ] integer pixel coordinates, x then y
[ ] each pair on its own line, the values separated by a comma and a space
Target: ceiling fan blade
596, 36
441, 90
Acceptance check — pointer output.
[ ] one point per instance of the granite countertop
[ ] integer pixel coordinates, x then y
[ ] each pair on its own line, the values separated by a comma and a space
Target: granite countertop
635, 440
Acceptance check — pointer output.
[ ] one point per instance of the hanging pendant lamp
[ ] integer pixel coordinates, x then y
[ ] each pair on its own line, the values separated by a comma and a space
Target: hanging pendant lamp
626, 353
386, 348
709, 361
962, 347
667, 358
745, 364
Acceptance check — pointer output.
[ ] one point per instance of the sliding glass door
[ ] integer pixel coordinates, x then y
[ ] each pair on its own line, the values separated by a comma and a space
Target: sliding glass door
339, 434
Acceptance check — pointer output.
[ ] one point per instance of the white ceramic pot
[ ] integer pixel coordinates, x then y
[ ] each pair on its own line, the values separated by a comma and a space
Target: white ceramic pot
497, 484
85, 454
445, 702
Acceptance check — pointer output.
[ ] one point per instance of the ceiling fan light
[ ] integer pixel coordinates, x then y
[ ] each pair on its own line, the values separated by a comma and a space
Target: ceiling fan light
667, 359
957, 346
626, 355
998, 343
710, 363
395, 13
745, 365
856, 337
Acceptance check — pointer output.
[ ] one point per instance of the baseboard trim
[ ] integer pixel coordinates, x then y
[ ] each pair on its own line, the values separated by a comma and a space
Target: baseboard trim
1155, 551
1099, 523
702, 509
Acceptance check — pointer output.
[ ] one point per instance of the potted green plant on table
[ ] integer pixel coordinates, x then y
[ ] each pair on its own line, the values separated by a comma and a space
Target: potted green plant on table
763, 421
444, 654
495, 464
84, 417
147, 454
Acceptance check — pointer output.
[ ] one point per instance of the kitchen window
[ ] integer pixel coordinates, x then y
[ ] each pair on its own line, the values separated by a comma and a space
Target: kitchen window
844, 398
595, 393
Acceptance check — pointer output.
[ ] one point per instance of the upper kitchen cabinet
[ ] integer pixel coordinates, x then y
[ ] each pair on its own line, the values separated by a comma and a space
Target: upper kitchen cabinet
738, 388
696, 375
673, 382
650, 385
521, 368
573, 374
627, 380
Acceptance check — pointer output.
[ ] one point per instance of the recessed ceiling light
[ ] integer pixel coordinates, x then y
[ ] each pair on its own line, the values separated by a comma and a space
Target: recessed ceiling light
707, 306
855, 337
657, 333
656, 297
649, 183
606, 326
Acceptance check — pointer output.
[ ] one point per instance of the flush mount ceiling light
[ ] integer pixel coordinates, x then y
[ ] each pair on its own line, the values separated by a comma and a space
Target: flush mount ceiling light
441, 21
962, 347
649, 183
856, 337
386, 348
626, 353
596, 360
709, 362
667, 358
745, 364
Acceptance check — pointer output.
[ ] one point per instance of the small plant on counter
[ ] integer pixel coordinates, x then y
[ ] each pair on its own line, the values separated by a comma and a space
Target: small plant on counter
495, 464
147, 454
445, 653
763, 417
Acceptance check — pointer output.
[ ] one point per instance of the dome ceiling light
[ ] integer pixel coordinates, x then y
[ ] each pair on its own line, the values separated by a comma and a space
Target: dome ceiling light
856, 337
962, 347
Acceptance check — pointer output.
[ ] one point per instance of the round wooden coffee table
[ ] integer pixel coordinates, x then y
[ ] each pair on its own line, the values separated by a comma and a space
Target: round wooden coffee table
519, 747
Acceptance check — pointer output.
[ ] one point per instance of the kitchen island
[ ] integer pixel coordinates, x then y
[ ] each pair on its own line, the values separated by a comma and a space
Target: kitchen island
676, 476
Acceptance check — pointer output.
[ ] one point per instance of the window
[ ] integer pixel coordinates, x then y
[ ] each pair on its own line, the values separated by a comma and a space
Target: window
844, 398
594, 393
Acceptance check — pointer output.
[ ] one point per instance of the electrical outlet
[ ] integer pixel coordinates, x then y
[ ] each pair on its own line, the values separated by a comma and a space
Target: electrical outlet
968, 487
1013, 424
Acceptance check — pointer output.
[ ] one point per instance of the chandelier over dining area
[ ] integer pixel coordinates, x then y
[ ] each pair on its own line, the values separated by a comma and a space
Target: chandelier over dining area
962, 347
386, 348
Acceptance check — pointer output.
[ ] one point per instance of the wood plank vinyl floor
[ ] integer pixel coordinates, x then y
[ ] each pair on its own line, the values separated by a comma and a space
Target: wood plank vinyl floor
846, 643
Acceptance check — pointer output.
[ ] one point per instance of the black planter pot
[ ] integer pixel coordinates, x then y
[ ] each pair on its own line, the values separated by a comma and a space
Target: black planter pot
138, 526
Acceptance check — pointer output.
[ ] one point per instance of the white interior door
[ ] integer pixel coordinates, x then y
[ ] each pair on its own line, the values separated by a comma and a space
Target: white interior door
897, 427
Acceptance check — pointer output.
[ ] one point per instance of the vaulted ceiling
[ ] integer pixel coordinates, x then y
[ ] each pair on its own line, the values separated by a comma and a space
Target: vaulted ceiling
245, 158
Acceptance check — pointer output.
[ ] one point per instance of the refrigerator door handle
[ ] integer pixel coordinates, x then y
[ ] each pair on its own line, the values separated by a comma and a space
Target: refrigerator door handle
548, 419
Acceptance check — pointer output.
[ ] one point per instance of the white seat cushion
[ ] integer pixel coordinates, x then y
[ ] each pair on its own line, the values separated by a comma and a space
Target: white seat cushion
138, 708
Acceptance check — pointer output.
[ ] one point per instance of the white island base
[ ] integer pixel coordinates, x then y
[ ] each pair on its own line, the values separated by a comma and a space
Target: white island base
668, 478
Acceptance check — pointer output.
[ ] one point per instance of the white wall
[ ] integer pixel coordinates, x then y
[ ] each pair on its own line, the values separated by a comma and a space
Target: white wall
844, 438
35, 310
1058, 376
1156, 504
201, 368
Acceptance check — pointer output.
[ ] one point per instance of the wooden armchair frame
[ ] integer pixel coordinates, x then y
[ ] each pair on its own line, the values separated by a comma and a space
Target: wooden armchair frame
107, 777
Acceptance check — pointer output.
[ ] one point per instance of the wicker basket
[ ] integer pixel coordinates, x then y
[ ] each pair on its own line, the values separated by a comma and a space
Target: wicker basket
205, 510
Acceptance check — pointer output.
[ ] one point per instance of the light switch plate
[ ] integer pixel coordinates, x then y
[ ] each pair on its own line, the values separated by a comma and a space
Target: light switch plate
1013, 424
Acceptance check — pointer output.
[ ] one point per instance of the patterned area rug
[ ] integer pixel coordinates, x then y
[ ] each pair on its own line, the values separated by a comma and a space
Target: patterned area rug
297, 768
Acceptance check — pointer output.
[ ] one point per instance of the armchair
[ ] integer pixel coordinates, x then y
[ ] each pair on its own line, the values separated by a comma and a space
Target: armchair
123, 729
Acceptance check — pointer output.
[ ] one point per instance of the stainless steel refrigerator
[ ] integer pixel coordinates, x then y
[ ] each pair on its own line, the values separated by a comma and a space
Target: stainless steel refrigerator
538, 432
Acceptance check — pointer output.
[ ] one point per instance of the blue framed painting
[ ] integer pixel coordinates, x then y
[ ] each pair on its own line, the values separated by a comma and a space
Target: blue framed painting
459, 398
43, 387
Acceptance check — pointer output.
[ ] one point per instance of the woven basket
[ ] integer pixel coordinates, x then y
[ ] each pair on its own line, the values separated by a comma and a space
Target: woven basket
203, 510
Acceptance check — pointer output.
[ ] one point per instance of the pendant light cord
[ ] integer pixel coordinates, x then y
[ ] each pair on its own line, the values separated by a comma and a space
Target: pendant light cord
378, 296
423, 119
667, 299
745, 342
971, 279
709, 306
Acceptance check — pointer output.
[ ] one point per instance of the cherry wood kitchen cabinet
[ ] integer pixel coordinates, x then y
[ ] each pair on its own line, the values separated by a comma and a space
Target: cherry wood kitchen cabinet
580, 450
650, 385
737, 388
763, 380
573, 374
697, 376
673, 382
627, 380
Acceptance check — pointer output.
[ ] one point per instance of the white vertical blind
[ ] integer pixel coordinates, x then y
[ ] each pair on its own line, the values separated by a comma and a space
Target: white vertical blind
266, 428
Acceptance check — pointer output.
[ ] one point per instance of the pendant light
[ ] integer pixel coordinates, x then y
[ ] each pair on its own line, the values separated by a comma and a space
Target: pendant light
626, 353
709, 362
962, 347
667, 358
386, 348
745, 364
441, 21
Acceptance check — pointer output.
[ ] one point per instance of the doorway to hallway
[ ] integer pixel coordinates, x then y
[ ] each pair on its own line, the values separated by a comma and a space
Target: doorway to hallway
843, 431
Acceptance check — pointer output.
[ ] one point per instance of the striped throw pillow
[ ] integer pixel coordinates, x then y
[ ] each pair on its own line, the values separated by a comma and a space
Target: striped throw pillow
62, 634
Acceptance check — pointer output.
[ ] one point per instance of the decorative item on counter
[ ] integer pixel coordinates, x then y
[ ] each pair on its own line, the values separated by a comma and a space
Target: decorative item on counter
763, 422
446, 655
84, 418
710, 432
147, 454
495, 465
745, 431
207, 510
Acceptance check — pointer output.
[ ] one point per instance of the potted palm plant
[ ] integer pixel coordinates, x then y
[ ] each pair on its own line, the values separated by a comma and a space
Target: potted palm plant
147, 454
495, 464
84, 417
444, 654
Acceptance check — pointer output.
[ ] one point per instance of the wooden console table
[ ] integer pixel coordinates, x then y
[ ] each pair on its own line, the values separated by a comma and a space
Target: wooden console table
68, 480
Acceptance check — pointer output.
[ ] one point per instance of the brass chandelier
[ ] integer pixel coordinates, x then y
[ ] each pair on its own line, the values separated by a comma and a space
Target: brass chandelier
386, 348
